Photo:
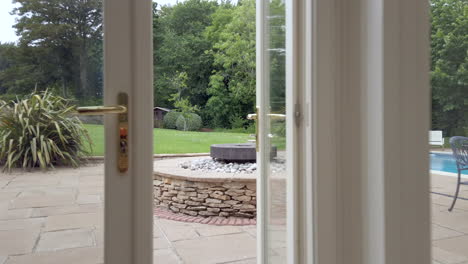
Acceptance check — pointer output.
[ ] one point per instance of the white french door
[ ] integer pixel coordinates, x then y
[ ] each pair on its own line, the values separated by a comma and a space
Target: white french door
315, 88
128, 69
278, 113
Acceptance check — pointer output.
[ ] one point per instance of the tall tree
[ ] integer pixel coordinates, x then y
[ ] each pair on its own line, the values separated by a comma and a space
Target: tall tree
7, 60
449, 69
65, 33
180, 46
232, 83
26, 69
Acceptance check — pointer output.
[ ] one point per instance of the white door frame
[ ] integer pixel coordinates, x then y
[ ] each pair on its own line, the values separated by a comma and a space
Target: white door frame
128, 67
369, 119
299, 82
262, 71
263, 103
359, 72
314, 201
313, 219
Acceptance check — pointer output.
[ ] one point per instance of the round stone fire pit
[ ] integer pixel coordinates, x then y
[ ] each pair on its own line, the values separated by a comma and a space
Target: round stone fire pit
199, 186
240, 152
205, 194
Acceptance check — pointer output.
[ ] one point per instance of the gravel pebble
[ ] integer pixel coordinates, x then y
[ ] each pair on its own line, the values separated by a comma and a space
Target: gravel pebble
209, 164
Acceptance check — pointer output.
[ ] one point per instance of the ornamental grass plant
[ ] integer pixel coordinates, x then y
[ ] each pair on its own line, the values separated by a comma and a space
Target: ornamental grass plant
40, 130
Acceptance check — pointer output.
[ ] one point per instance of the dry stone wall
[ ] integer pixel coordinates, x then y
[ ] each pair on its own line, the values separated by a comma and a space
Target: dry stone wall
233, 198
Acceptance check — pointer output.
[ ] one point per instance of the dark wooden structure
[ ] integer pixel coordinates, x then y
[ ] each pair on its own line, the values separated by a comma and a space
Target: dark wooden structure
158, 116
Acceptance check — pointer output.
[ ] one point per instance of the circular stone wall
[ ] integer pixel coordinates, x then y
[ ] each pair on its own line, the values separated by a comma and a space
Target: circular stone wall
204, 194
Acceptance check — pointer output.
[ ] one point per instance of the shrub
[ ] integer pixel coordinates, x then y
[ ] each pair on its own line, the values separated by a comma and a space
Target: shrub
278, 128
39, 131
237, 122
170, 119
251, 128
192, 122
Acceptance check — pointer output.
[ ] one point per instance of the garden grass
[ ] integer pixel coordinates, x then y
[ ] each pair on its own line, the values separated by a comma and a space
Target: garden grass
169, 141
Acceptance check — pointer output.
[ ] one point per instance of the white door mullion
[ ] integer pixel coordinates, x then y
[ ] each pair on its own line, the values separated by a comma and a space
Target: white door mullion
384, 115
128, 68
118, 187
262, 84
142, 160
294, 85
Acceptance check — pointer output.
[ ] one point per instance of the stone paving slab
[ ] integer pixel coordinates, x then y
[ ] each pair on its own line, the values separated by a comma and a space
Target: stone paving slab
72, 221
20, 224
166, 256
58, 240
14, 242
88, 255
217, 249
64, 210
440, 232
35, 201
15, 213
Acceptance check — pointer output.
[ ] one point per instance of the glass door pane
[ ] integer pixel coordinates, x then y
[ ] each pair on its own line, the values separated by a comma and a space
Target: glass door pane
276, 133
272, 124
51, 201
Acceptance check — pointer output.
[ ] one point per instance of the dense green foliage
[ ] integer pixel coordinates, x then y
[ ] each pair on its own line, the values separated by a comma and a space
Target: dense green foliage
39, 131
169, 141
189, 122
449, 69
204, 57
209, 61
232, 84
170, 119
180, 47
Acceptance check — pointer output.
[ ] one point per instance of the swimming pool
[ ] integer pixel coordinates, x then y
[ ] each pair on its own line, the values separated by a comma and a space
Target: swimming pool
443, 162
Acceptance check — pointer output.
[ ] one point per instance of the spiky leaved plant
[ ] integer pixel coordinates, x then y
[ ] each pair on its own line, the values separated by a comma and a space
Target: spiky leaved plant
40, 130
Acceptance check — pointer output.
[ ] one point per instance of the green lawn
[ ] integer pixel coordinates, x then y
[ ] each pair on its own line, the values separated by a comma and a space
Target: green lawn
168, 141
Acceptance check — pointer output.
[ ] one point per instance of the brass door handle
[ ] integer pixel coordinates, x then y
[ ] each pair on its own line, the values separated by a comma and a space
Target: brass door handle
252, 116
271, 116
101, 110
122, 111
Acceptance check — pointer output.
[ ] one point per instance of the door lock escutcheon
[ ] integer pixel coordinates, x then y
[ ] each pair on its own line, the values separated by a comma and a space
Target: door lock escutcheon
121, 109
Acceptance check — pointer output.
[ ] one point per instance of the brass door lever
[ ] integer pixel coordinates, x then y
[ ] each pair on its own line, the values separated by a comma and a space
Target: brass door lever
255, 117
101, 110
271, 116
122, 111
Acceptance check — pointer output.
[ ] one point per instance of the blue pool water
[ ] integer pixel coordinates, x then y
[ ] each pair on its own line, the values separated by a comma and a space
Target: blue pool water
443, 162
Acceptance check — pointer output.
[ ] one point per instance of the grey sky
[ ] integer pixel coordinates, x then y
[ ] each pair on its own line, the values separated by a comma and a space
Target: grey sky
166, 2
7, 33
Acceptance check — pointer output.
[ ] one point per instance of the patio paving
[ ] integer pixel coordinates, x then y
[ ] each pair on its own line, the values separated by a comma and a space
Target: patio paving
57, 217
